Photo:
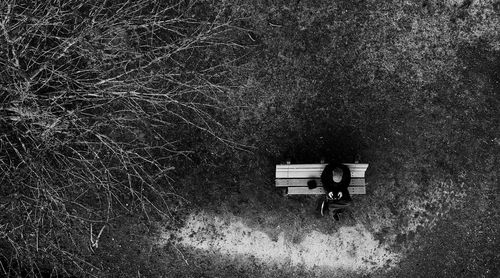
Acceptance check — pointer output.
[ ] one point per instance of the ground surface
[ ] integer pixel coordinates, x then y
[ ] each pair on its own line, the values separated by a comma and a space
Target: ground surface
349, 248
250, 233
212, 101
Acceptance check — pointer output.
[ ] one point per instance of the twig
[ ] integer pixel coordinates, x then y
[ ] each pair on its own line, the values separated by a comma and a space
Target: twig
182, 255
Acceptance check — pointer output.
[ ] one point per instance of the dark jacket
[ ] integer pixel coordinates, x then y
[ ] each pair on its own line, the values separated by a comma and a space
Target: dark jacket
330, 186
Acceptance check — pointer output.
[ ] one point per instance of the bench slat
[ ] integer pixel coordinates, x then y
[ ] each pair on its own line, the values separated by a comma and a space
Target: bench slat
305, 173
319, 165
315, 170
320, 191
357, 182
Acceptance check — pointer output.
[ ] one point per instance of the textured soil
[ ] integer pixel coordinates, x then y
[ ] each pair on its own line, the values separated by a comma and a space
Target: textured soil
350, 248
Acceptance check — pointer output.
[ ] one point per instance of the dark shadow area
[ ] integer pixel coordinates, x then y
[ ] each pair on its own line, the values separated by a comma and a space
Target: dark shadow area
328, 144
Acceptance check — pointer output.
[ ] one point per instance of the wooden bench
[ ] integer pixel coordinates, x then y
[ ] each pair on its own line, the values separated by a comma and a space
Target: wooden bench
293, 178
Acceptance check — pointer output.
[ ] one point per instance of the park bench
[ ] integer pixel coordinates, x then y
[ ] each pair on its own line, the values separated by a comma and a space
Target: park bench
293, 178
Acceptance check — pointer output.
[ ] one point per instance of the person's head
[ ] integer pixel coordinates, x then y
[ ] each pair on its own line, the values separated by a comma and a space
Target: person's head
337, 174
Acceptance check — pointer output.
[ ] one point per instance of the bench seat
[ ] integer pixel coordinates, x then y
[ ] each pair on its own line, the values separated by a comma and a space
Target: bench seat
293, 178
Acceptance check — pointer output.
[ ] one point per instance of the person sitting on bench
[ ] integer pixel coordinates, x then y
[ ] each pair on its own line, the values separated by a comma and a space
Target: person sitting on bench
335, 179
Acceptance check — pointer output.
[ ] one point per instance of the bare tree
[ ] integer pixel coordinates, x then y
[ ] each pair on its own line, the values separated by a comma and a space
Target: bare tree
93, 94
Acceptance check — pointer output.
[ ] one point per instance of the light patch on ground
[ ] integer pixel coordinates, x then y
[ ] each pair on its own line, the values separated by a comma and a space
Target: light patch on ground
350, 248
441, 199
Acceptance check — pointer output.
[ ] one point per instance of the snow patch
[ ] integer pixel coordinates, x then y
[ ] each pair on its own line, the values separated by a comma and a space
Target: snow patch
350, 248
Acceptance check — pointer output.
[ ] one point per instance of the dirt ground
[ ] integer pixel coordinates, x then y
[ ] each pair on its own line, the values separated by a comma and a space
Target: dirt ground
251, 233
